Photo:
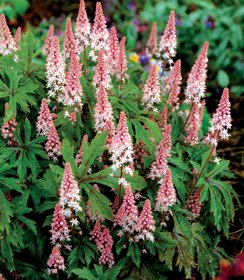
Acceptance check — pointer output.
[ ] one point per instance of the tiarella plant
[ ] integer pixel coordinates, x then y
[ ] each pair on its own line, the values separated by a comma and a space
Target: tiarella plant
108, 171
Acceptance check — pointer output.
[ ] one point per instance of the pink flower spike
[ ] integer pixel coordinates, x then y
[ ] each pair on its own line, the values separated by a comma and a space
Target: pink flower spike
48, 40
151, 90
159, 166
55, 70
167, 45
221, 121
193, 204
53, 144
122, 62
121, 146
55, 261
196, 82
103, 114
69, 44
113, 50
44, 119
59, 227
69, 193
73, 89
99, 35
173, 77
194, 124
78, 158
102, 76
164, 116
7, 131
166, 194
82, 28
127, 214
107, 257
96, 232
146, 224
17, 36
7, 42
152, 43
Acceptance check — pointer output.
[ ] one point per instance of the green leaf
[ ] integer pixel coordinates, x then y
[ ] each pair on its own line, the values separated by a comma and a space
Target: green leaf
223, 78
99, 203
84, 273
136, 181
29, 223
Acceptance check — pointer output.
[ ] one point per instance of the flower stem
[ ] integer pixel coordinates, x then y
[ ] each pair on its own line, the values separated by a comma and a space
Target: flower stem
190, 112
201, 172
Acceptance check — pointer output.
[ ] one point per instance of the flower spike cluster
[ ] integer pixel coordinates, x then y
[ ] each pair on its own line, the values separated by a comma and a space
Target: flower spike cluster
167, 45
79, 156
53, 144
69, 196
113, 50
194, 124
166, 194
7, 131
152, 42
159, 166
7, 42
193, 203
122, 61
82, 28
55, 261
99, 34
102, 76
196, 82
44, 119
73, 89
69, 44
48, 40
17, 36
59, 226
121, 146
127, 214
151, 90
55, 70
103, 114
221, 121
145, 225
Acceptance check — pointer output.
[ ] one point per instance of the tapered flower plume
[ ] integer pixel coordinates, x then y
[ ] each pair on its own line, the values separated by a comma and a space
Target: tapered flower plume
173, 77
44, 119
167, 45
48, 40
69, 193
122, 61
151, 90
193, 203
105, 246
96, 233
69, 44
99, 35
103, 114
53, 144
7, 42
55, 261
79, 156
166, 196
145, 225
164, 116
73, 89
7, 131
55, 70
221, 121
127, 214
152, 42
194, 124
159, 166
17, 36
102, 76
121, 146
173, 99
196, 82
59, 228
113, 50
82, 28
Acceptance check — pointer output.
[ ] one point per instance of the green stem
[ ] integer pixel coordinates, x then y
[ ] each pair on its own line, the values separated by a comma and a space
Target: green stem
184, 126
201, 172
